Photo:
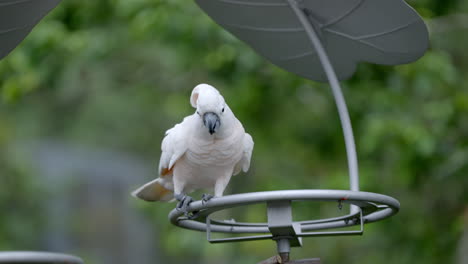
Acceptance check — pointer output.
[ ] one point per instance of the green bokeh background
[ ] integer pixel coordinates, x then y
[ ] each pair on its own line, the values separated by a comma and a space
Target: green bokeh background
106, 78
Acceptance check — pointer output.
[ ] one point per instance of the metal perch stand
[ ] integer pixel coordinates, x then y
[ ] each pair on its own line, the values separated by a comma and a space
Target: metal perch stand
365, 207
371, 207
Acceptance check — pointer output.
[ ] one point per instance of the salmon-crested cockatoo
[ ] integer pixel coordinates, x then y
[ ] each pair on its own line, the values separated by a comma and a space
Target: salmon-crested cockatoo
203, 151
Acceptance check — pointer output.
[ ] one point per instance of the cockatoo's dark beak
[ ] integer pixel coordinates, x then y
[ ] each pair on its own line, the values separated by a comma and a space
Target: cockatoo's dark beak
211, 121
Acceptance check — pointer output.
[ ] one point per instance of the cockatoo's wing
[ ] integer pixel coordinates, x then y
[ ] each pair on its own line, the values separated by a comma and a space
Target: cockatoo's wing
244, 162
173, 146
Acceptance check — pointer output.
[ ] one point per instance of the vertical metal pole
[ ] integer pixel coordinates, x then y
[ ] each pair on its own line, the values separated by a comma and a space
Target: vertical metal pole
284, 248
283, 245
337, 94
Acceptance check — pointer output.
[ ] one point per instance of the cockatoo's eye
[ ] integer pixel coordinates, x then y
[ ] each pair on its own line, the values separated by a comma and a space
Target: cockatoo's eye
222, 110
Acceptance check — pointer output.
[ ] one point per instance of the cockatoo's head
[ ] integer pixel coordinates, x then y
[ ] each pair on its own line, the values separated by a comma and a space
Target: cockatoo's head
210, 106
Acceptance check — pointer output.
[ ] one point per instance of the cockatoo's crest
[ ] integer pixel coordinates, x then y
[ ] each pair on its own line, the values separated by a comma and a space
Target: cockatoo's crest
206, 97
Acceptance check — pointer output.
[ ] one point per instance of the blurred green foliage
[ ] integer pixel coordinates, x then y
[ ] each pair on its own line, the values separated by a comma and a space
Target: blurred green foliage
118, 73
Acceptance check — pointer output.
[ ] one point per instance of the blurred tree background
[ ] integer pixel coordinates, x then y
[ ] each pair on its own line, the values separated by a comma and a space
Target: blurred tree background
86, 98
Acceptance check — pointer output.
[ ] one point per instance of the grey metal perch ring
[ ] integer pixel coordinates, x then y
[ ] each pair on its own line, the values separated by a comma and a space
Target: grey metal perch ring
32, 257
372, 207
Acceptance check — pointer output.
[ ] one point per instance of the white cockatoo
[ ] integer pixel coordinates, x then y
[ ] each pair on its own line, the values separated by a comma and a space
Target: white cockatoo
203, 151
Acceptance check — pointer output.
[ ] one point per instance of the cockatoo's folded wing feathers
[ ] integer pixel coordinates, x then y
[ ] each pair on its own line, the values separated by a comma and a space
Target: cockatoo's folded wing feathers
244, 163
173, 146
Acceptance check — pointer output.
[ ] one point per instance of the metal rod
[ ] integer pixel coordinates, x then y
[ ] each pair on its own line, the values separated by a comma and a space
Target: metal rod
283, 245
32, 257
337, 94
284, 248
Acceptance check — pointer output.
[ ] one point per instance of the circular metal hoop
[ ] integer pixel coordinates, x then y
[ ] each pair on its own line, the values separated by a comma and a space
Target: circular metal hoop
30, 257
373, 207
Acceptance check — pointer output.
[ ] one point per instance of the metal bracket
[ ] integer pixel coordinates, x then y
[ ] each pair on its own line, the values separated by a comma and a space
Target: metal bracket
280, 222
284, 230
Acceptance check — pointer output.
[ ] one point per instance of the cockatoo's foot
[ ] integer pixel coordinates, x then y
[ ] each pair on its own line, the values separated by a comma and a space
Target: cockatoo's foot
206, 197
184, 202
